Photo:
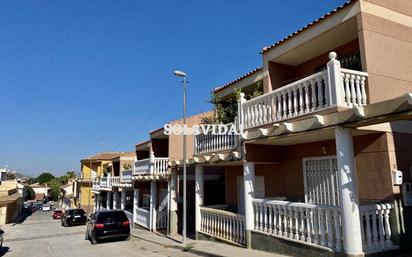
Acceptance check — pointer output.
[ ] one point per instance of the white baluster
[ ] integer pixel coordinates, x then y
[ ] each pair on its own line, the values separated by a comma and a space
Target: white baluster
314, 98
381, 228
320, 91
285, 108
307, 103
352, 90
347, 89
358, 91
388, 232
336, 221
289, 94
301, 104
295, 102
363, 91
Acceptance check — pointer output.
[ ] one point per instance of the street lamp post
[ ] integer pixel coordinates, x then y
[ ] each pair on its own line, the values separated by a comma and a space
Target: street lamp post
183, 75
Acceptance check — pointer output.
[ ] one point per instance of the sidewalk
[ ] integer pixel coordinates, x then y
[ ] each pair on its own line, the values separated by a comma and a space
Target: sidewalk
199, 247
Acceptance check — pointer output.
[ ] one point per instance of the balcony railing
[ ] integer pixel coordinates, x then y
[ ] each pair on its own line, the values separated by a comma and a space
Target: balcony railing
154, 166
212, 142
329, 88
223, 224
126, 176
376, 228
321, 224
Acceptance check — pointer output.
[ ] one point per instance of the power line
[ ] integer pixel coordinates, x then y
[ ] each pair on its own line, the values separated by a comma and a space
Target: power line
147, 119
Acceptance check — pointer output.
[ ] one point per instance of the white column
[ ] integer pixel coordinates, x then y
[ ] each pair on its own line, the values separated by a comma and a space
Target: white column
99, 201
96, 202
351, 228
199, 195
114, 200
108, 200
123, 199
153, 203
249, 187
172, 206
135, 204
334, 90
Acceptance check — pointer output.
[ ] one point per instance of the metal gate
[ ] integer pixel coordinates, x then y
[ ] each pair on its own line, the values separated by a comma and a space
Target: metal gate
321, 180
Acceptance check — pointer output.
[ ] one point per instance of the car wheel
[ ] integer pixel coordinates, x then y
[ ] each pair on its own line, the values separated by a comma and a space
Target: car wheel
127, 238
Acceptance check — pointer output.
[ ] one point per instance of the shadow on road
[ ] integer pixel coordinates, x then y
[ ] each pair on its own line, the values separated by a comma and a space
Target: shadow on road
4, 250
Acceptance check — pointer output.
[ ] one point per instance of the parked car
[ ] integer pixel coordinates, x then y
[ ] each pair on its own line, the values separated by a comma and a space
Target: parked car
74, 217
1, 237
46, 207
57, 214
107, 224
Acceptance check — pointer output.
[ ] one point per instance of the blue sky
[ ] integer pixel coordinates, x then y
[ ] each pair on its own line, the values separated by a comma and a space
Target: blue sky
76, 74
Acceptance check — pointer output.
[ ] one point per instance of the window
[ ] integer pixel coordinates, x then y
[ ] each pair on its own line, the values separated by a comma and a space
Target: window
321, 180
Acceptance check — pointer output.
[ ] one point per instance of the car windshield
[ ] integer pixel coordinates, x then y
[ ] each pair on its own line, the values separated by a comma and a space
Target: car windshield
76, 212
57, 211
118, 216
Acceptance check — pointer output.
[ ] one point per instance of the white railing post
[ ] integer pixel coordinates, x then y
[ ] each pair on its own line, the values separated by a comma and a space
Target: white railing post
199, 196
249, 188
334, 87
240, 114
123, 199
351, 228
135, 205
114, 200
108, 200
153, 204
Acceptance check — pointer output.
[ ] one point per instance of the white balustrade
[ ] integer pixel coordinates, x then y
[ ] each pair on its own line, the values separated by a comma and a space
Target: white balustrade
376, 229
115, 180
309, 223
308, 95
159, 166
104, 182
214, 142
126, 176
223, 224
96, 185
142, 217
142, 167
354, 87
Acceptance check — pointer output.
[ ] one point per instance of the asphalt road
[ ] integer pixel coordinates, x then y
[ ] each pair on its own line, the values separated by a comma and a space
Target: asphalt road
41, 236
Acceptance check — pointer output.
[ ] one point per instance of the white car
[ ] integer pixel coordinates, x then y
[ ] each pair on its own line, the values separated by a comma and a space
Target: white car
46, 207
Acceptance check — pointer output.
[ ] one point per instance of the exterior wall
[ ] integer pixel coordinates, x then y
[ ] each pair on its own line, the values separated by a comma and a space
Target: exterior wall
281, 75
285, 179
386, 54
86, 196
176, 141
401, 6
400, 153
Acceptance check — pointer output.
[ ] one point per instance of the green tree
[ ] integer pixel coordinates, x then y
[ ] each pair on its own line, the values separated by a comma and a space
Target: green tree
54, 185
44, 178
30, 194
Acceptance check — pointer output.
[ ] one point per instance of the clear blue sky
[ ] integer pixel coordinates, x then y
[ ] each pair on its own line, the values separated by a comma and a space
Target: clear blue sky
74, 74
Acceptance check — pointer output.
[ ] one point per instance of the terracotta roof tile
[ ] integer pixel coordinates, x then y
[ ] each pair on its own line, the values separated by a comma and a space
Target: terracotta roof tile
267, 48
219, 88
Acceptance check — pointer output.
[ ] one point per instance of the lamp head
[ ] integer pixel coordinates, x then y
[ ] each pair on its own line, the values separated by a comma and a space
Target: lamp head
179, 73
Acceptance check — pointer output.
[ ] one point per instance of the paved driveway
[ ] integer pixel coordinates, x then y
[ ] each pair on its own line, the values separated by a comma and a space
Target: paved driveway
40, 236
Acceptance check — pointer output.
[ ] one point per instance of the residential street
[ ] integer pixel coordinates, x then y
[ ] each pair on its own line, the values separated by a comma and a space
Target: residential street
40, 236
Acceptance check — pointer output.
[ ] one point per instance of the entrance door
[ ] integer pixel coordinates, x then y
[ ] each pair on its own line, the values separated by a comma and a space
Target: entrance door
259, 187
321, 180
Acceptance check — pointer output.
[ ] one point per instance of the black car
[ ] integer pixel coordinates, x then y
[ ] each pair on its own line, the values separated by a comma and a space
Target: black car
107, 224
74, 217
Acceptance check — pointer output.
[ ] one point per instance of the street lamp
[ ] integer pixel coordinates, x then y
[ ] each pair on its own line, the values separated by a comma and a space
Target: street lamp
183, 75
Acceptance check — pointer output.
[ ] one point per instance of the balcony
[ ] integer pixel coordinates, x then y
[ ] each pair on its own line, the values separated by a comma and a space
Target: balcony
151, 167
210, 143
125, 180
102, 183
333, 87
